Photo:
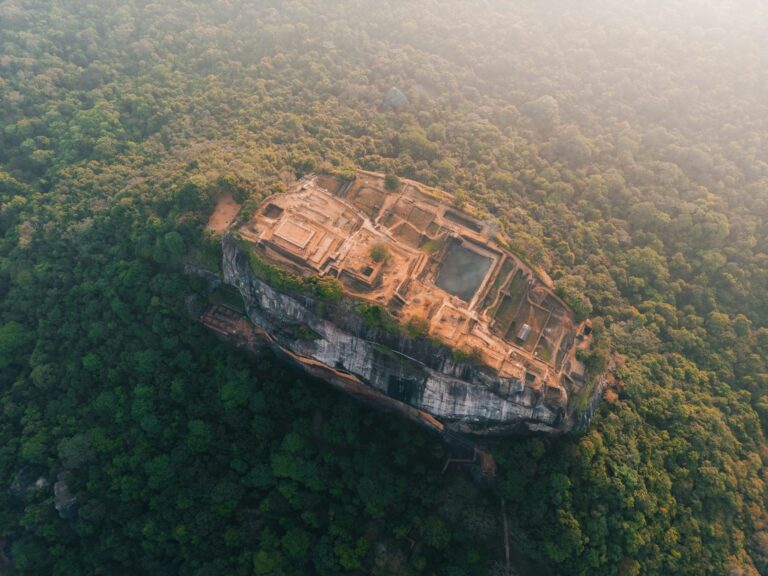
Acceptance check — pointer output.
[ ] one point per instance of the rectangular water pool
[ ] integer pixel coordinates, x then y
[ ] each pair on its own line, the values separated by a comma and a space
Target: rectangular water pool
462, 271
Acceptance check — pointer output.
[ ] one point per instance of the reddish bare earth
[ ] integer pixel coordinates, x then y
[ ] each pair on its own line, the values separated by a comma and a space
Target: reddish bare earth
226, 212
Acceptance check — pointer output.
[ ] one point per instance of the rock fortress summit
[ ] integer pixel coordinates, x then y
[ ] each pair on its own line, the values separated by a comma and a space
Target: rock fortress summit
385, 289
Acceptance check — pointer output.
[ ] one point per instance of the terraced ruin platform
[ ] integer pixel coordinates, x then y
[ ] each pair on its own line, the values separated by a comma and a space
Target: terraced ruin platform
441, 272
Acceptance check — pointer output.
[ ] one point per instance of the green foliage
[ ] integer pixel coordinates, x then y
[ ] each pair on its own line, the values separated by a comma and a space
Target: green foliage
13, 338
346, 173
379, 252
206, 253
325, 288
274, 276
377, 316
417, 326
473, 355
75, 451
200, 436
416, 144
643, 195
576, 299
391, 182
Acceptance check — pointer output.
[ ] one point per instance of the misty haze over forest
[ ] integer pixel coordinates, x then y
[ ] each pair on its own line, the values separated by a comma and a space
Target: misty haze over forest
622, 147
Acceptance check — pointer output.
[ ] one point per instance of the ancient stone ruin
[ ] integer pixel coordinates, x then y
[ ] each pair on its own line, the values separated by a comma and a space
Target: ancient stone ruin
385, 289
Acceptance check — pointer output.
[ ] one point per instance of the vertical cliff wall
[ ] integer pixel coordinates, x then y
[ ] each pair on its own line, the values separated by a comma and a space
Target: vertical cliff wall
414, 375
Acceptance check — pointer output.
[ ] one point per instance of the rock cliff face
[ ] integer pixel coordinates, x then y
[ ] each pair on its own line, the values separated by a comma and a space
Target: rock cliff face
413, 375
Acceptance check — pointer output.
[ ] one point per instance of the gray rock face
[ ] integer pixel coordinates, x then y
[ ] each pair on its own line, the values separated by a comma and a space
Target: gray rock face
29, 479
63, 500
413, 375
395, 99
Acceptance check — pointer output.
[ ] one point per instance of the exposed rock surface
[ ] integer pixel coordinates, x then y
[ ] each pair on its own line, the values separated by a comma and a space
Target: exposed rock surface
413, 375
395, 99
63, 500
29, 479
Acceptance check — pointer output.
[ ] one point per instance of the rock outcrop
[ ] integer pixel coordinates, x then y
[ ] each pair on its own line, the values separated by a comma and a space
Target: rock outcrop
383, 287
394, 99
413, 375
63, 500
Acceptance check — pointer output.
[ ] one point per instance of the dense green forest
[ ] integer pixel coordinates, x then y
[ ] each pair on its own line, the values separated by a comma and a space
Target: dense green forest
623, 146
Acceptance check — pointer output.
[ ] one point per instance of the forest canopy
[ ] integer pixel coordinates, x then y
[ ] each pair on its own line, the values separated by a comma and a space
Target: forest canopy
621, 146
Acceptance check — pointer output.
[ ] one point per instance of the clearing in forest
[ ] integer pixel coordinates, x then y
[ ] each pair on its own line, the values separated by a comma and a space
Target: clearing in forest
226, 211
